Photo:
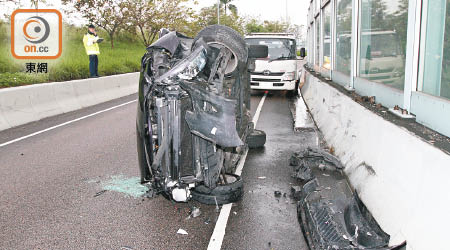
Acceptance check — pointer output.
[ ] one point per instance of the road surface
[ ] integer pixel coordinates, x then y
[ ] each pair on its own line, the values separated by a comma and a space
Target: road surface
52, 186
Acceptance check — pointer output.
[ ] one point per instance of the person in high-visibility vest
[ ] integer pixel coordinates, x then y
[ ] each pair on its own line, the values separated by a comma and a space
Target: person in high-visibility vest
90, 41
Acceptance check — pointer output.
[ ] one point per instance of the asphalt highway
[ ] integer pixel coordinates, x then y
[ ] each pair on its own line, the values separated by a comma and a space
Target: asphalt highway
75, 187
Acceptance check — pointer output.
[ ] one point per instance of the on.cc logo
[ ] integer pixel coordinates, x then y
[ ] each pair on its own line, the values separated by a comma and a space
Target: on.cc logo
36, 34
39, 26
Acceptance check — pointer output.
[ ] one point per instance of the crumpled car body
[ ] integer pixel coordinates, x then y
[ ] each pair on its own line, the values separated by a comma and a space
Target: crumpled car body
193, 113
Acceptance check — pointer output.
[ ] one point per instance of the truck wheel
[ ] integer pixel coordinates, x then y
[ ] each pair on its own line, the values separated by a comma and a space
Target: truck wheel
222, 193
256, 139
225, 36
294, 92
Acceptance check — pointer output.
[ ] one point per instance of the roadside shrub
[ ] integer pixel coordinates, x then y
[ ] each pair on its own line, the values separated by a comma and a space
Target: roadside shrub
73, 63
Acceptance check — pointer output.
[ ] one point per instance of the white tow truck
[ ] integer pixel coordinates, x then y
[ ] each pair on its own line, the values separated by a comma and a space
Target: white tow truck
280, 70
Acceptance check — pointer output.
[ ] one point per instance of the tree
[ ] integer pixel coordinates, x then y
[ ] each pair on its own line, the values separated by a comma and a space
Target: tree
106, 14
208, 16
148, 17
229, 6
9, 5
255, 26
35, 3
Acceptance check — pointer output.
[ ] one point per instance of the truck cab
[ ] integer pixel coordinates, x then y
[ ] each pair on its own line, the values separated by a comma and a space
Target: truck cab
280, 70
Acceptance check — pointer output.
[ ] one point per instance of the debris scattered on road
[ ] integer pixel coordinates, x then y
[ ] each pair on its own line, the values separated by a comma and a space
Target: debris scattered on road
207, 221
296, 192
100, 193
314, 157
126, 248
332, 150
234, 212
130, 186
302, 172
182, 232
303, 162
322, 166
195, 212
151, 193
277, 194
217, 205
261, 177
327, 208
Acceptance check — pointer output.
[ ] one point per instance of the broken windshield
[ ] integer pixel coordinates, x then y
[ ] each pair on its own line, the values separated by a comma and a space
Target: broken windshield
279, 48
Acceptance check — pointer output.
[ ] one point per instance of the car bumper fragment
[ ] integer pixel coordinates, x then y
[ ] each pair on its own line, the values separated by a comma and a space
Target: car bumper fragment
331, 215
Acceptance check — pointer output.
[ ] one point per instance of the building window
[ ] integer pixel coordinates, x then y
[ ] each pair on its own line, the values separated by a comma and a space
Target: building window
436, 69
326, 60
383, 41
343, 36
317, 42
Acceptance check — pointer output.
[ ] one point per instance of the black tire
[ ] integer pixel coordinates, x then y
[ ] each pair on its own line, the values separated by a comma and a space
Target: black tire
256, 139
226, 36
223, 194
294, 92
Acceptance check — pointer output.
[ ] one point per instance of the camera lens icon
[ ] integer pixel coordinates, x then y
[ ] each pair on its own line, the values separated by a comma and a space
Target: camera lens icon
36, 29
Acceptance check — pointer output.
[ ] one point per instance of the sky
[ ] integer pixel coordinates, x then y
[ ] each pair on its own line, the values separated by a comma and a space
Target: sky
273, 10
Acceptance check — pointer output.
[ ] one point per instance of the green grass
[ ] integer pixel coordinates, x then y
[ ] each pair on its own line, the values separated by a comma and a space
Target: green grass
73, 63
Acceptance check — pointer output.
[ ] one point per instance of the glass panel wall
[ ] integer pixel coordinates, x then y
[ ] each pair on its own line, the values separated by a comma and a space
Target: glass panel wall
383, 41
436, 69
317, 42
310, 52
381, 55
326, 60
343, 59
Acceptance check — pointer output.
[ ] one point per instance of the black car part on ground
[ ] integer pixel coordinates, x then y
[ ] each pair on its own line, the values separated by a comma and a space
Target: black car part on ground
230, 191
256, 139
330, 213
193, 112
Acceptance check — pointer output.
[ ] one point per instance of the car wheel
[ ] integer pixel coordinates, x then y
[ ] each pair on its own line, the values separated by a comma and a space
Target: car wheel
219, 35
222, 36
222, 193
256, 139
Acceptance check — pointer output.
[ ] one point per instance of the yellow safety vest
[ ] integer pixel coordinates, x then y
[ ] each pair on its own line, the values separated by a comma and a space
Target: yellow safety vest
90, 44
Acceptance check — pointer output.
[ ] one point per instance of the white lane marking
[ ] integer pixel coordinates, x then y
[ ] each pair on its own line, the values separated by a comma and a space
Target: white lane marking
64, 124
258, 109
215, 243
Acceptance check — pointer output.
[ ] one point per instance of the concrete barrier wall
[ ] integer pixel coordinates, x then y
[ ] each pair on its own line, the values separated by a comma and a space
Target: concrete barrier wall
403, 180
20, 105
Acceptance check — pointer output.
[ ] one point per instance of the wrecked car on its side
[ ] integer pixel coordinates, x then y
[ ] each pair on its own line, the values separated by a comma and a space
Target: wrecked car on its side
193, 120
